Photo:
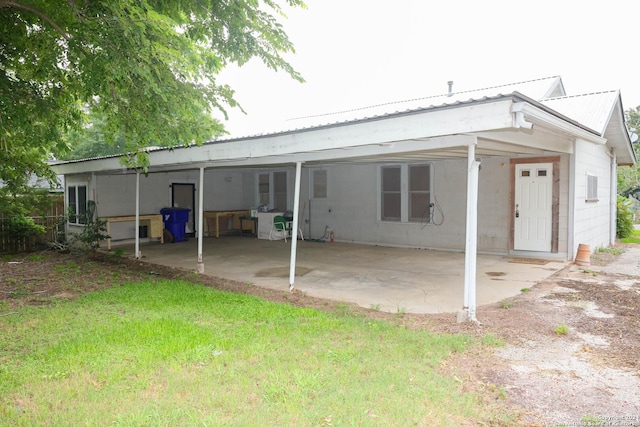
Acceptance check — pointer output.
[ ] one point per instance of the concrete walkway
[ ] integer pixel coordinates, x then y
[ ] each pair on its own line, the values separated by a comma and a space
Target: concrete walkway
385, 278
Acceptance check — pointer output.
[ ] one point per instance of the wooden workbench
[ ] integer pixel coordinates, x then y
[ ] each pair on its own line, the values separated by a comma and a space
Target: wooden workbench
212, 218
153, 221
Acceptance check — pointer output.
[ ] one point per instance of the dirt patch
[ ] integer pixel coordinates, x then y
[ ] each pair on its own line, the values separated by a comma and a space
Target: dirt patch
543, 375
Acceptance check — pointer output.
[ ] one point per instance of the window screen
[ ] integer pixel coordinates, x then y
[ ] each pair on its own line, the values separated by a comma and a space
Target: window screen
319, 184
419, 192
280, 191
263, 188
391, 197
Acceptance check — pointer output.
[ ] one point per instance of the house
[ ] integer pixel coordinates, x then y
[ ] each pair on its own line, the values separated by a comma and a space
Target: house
520, 169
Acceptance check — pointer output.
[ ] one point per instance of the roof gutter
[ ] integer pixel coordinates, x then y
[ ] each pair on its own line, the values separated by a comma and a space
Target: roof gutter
526, 115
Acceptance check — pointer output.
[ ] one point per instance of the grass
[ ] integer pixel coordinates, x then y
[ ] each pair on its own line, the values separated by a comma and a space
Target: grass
176, 353
610, 250
561, 329
634, 238
506, 304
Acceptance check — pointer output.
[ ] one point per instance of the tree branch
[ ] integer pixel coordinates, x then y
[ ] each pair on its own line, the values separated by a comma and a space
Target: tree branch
38, 13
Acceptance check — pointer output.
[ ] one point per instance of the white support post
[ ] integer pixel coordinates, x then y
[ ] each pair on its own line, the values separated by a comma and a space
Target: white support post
295, 227
471, 248
137, 230
613, 198
200, 225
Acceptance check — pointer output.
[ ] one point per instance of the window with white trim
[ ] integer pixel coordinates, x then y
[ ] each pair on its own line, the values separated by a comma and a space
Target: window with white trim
592, 187
406, 192
272, 190
319, 184
77, 209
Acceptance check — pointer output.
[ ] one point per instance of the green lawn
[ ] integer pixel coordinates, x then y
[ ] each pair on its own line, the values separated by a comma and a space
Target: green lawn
634, 238
173, 353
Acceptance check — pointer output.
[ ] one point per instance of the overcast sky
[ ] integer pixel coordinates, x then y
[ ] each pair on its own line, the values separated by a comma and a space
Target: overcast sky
355, 53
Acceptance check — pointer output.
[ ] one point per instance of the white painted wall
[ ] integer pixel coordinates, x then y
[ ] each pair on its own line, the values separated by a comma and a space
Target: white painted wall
351, 206
350, 209
115, 194
592, 219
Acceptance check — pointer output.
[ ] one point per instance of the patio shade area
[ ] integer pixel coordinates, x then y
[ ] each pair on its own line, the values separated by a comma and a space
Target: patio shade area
390, 279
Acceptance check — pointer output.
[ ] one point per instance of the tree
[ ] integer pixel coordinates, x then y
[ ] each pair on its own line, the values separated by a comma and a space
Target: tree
147, 67
90, 141
629, 177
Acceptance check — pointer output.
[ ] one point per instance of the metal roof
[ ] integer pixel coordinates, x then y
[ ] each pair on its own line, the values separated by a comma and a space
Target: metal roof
592, 110
602, 112
535, 89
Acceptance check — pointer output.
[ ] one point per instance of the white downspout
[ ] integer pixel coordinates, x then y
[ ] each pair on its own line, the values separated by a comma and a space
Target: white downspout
471, 248
294, 227
137, 229
200, 224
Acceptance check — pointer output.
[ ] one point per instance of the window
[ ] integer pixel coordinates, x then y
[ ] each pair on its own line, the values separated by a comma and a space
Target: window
406, 192
391, 196
592, 187
263, 189
77, 204
280, 191
272, 190
419, 192
319, 184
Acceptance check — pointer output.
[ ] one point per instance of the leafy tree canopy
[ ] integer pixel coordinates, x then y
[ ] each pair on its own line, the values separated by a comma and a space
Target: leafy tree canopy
147, 68
629, 177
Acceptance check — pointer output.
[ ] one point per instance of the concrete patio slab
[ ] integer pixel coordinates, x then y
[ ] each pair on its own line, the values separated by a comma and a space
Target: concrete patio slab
386, 278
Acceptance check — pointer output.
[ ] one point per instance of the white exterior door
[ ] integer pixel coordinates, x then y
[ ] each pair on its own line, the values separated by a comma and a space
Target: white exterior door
533, 198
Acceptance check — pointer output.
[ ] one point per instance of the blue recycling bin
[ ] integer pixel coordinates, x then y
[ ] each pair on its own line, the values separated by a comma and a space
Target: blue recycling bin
175, 220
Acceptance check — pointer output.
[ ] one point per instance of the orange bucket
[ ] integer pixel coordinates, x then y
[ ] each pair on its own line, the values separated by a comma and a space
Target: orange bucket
583, 257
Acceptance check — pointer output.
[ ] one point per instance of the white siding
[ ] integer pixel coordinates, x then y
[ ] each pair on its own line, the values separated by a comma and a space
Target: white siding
592, 219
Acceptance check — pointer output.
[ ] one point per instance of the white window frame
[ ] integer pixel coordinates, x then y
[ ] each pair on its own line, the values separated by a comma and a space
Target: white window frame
272, 193
405, 194
591, 187
77, 217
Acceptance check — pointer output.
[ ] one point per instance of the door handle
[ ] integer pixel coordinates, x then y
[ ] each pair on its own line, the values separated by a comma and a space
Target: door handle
517, 211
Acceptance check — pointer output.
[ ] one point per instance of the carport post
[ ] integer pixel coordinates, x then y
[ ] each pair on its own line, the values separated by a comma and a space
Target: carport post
137, 231
294, 227
471, 248
200, 226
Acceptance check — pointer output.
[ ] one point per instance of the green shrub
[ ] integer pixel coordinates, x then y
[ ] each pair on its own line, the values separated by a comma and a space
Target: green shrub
23, 227
92, 233
624, 218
